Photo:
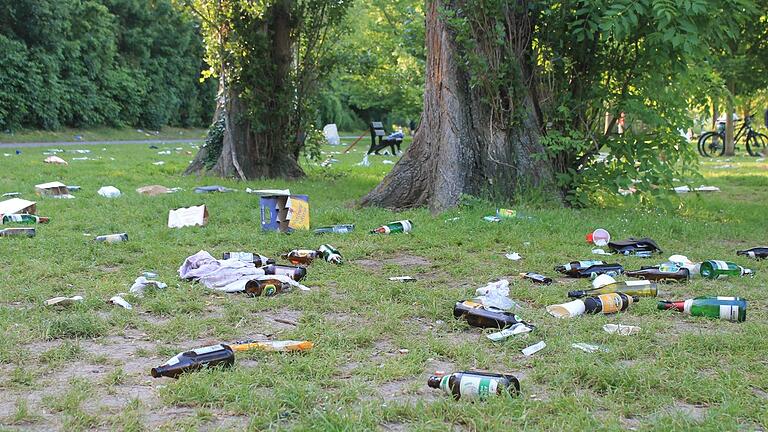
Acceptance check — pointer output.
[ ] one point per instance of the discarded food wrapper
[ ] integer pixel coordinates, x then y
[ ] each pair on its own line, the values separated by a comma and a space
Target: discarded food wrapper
602, 280
599, 237
491, 218
109, 192
118, 300
18, 206
55, 160
364, 162
495, 295
452, 219
63, 301
588, 348
514, 256
216, 188
53, 189
188, 216
153, 190
141, 283
402, 279
158, 163
621, 329
567, 310
388, 162
515, 329
284, 213
600, 252
533, 349
281, 346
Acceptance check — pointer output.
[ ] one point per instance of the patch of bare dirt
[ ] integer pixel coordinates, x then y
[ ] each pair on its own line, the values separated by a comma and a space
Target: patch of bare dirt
370, 265
110, 268
393, 427
280, 320
630, 423
760, 393
695, 412
408, 261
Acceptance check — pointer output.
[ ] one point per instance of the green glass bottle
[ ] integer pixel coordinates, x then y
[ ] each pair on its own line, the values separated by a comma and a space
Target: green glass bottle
641, 288
402, 226
475, 384
330, 254
26, 219
336, 229
725, 308
716, 269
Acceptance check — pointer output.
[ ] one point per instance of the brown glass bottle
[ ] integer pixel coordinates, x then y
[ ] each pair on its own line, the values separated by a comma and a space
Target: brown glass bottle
572, 268
476, 316
538, 278
295, 273
301, 256
657, 274
257, 259
475, 384
266, 288
196, 359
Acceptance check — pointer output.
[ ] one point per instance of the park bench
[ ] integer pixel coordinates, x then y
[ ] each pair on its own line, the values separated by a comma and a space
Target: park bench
377, 130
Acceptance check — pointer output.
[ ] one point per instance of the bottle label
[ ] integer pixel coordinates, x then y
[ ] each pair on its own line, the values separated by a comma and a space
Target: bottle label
751, 254
638, 283
472, 387
174, 360
241, 256
567, 267
206, 350
611, 302
729, 312
16, 217
590, 263
726, 298
721, 265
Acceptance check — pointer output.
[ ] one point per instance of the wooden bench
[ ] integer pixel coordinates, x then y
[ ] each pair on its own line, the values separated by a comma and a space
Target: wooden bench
377, 131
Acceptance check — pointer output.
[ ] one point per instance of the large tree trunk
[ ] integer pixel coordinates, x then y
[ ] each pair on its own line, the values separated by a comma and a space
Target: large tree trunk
460, 146
271, 149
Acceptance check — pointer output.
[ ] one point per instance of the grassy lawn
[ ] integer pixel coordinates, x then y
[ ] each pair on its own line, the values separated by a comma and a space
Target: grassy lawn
100, 134
87, 366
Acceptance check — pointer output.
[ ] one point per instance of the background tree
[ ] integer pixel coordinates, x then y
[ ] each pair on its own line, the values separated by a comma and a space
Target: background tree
100, 62
516, 95
268, 56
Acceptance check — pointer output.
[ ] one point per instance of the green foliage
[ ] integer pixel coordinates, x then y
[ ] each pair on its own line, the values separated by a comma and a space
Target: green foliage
585, 63
214, 142
100, 63
313, 144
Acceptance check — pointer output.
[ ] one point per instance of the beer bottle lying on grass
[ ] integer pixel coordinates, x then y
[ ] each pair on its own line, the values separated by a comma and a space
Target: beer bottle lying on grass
257, 259
667, 272
477, 316
725, 308
26, 219
631, 288
196, 359
572, 268
403, 226
295, 273
716, 269
475, 384
755, 253
301, 256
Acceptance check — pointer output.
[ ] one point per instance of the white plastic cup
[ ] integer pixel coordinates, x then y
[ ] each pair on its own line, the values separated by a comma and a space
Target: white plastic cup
599, 237
602, 280
567, 310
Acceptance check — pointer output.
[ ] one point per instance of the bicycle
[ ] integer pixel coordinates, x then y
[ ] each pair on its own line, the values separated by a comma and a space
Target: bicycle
712, 143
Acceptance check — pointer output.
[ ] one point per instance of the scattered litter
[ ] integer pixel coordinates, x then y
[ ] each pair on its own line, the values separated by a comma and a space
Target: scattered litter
109, 192
81, 158
600, 252
516, 329
403, 351
599, 237
80, 151
536, 277
63, 301
452, 219
495, 296
533, 349
142, 283
216, 188
188, 216
514, 256
726, 166
567, 310
118, 300
278, 346
760, 160
73, 188
471, 385
402, 279
149, 275
164, 152
491, 218
284, 213
53, 189
196, 359
328, 162
589, 348
602, 280
633, 246
17, 206
158, 163
153, 190
55, 160
477, 315
686, 189
331, 134
621, 329
364, 162
112, 238
11, 194
388, 162
335, 229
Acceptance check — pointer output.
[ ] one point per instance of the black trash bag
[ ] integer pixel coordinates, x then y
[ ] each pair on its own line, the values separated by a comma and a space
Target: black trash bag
632, 245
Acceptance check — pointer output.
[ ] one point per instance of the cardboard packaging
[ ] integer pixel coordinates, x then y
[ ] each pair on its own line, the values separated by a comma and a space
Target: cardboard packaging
188, 216
17, 206
284, 213
55, 189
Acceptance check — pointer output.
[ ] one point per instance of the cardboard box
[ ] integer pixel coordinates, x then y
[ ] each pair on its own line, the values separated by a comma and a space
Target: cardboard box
284, 213
52, 189
17, 206
188, 216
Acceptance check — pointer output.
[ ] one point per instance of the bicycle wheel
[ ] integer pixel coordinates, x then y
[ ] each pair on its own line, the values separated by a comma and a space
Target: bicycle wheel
756, 143
699, 143
713, 145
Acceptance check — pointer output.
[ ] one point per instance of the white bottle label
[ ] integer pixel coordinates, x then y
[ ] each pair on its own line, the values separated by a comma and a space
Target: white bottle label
241, 256
206, 350
173, 361
567, 267
638, 283
406, 225
15, 217
721, 265
751, 254
729, 312
480, 387
726, 298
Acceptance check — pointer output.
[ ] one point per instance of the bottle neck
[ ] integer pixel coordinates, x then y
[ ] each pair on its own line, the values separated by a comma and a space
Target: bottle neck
677, 305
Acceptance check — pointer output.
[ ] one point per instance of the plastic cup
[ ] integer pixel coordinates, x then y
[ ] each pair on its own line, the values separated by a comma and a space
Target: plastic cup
567, 310
602, 280
599, 237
